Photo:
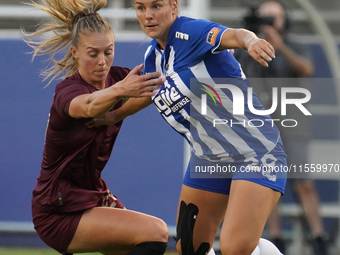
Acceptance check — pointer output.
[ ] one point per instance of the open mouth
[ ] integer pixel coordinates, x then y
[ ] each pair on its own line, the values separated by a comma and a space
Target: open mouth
151, 26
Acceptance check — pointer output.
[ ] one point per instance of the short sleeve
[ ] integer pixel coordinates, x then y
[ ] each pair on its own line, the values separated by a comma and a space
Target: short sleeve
207, 35
204, 37
64, 96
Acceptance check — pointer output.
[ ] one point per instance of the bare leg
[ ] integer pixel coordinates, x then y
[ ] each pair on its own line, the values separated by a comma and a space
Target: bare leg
274, 223
111, 230
248, 210
309, 200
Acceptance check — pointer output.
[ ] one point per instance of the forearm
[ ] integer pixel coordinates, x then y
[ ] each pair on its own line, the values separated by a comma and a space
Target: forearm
237, 39
132, 106
302, 66
102, 101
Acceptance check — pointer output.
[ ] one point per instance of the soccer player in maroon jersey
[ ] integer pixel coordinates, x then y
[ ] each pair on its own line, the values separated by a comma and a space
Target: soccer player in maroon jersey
72, 207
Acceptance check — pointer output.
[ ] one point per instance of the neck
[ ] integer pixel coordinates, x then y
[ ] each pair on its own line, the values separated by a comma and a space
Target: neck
162, 41
98, 85
161, 44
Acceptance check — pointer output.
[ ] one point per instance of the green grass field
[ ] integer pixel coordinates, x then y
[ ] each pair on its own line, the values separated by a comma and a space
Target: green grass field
42, 251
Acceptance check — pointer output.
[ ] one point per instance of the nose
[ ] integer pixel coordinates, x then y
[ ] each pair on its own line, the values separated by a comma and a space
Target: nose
101, 60
148, 13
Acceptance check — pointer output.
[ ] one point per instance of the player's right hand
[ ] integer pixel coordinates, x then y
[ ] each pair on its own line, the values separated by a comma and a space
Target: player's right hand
136, 85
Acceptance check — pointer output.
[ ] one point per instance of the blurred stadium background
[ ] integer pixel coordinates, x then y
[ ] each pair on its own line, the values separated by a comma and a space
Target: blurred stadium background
146, 168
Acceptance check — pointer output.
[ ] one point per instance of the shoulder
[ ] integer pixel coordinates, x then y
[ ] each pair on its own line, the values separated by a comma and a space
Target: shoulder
195, 26
190, 23
75, 82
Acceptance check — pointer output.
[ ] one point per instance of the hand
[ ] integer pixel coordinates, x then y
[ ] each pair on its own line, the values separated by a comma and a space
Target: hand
261, 50
106, 119
135, 85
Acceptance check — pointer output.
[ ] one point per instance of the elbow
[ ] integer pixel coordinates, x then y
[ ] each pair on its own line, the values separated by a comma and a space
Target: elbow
93, 112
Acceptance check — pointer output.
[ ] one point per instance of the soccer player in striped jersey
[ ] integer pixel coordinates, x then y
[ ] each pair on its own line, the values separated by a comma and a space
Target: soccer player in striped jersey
194, 57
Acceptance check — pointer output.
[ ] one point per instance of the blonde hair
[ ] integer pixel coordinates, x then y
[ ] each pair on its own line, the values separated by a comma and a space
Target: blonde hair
72, 19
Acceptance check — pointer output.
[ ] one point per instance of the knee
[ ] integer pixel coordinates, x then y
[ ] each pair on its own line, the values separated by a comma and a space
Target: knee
160, 231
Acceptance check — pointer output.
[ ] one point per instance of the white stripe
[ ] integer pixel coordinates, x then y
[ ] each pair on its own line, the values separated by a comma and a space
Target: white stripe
170, 119
147, 52
158, 64
183, 130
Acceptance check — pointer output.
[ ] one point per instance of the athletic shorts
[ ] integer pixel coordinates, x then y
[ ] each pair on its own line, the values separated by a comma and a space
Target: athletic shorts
58, 229
269, 170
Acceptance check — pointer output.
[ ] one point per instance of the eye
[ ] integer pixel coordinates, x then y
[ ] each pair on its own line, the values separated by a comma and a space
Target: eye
108, 53
140, 8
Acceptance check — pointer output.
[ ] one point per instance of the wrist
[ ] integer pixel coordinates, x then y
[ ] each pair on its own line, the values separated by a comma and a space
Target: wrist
118, 90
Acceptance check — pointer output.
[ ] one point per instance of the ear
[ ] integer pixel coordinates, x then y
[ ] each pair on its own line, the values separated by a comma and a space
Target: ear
74, 52
175, 6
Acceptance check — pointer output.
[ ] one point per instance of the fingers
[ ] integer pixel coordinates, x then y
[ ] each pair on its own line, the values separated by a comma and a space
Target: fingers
148, 87
158, 81
136, 85
137, 69
262, 51
90, 124
149, 76
93, 123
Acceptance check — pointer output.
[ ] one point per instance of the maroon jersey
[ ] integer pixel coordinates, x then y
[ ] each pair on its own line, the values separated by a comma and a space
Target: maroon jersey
74, 155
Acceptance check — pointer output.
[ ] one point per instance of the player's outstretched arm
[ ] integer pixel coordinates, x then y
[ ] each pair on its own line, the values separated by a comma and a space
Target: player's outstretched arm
259, 49
100, 102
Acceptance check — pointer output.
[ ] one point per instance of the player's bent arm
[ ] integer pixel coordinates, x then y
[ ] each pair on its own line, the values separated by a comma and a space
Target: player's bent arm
100, 102
259, 49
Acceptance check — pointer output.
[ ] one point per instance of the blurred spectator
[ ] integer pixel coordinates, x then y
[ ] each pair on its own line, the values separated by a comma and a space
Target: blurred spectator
271, 21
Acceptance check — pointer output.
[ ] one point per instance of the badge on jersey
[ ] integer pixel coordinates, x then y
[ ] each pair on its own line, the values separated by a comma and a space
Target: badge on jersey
211, 37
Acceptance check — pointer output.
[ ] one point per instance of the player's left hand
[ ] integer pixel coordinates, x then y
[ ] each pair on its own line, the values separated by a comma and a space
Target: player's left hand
261, 50
100, 121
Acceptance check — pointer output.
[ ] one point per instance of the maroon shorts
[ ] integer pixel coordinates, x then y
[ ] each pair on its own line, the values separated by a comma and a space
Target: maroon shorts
58, 229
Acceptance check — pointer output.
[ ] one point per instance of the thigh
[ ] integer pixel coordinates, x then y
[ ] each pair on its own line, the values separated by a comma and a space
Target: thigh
248, 209
211, 206
106, 230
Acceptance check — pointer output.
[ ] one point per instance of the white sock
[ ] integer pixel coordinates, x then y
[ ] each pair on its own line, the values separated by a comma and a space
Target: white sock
211, 252
256, 251
266, 247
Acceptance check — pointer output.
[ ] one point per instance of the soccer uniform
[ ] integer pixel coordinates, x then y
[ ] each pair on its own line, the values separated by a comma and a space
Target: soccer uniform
193, 67
73, 158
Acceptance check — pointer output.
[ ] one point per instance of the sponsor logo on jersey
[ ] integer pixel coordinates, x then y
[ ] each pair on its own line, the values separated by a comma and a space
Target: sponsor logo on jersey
211, 37
182, 36
170, 100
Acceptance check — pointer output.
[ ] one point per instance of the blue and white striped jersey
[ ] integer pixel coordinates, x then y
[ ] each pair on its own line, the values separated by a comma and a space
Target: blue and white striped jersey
194, 69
